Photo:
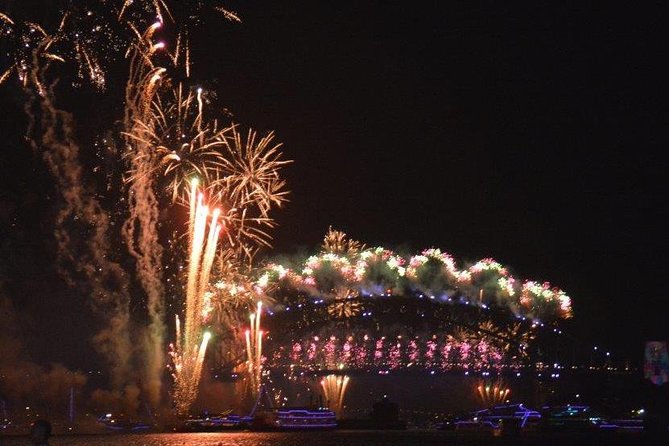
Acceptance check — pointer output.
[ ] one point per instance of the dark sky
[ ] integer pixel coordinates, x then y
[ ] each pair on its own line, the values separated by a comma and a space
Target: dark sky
532, 132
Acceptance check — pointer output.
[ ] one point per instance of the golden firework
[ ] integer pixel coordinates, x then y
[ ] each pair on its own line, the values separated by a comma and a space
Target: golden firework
249, 174
336, 242
344, 307
182, 145
492, 393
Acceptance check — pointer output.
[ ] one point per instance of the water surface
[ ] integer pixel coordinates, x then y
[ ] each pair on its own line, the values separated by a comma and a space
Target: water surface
337, 438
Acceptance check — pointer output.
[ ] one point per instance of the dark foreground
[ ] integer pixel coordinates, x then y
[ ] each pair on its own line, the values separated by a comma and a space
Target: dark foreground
349, 438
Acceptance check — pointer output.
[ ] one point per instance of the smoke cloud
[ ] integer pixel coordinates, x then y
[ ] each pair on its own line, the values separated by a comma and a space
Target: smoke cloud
81, 226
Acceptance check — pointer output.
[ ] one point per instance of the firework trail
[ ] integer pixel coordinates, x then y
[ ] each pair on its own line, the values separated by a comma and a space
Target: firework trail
334, 388
140, 229
187, 355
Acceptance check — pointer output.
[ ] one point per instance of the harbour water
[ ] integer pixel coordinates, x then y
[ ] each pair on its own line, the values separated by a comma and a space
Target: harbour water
339, 438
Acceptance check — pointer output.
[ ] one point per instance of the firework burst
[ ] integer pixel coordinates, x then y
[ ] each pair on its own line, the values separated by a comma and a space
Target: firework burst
336, 242
344, 275
249, 174
344, 307
182, 146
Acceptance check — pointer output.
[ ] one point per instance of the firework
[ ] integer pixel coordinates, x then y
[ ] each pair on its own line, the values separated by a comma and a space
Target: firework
336, 242
344, 307
488, 265
346, 348
173, 142
380, 270
91, 35
249, 172
541, 299
344, 276
253, 338
167, 139
189, 349
334, 389
248, 186
181, 145
140, 230
492, 393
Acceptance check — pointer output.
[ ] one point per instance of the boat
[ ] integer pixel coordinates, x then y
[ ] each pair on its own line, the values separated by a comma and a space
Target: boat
217, 422
573, 418
505, 416
305, 419
268, 418
123, 424
294, 419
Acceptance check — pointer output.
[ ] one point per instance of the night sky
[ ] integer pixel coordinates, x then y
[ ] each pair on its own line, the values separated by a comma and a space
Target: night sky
531, 132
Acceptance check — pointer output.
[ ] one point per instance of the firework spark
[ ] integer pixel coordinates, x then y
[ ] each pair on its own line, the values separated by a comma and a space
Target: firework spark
344, 307
250, 171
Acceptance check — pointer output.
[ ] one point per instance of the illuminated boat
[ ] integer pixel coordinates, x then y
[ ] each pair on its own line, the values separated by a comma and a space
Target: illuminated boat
572, 417
305, 419
497, 417
294, 418
123, 424
213, 423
